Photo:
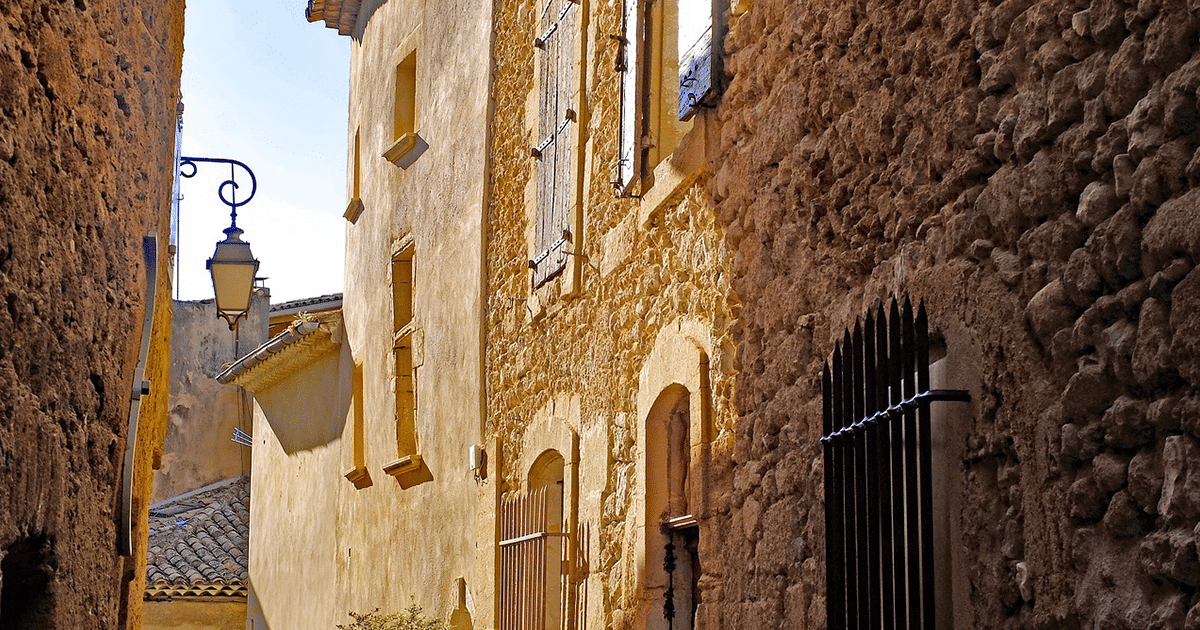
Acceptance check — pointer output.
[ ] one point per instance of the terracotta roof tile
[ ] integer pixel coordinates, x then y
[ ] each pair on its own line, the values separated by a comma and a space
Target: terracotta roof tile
198, 543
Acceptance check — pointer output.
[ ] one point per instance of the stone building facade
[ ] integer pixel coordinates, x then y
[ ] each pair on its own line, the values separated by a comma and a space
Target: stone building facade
86, 168
1027, 170
620, 367
364, 415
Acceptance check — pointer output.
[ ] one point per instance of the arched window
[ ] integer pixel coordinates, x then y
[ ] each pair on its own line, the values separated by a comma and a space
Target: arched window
672, 532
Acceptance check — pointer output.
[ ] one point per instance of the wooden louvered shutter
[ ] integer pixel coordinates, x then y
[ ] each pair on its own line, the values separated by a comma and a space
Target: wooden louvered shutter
699, 55
556, 118
629, 65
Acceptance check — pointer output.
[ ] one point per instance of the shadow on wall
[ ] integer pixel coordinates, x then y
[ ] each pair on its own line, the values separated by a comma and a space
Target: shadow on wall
365, 11
308, 409
256, 619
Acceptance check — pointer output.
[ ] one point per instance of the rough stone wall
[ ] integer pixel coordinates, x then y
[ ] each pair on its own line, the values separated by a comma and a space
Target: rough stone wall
87, 95
1028, 169
636, 280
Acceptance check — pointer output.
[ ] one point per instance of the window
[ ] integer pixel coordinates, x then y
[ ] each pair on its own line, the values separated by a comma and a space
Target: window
557, 47
533, 584
667, 64
673, 534
403, 338
355, 207
357, 474
404, 115
879, 514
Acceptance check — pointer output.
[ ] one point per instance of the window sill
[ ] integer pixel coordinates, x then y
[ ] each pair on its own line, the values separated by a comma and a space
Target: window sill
359, 477
673, 175
403, 466
353, 210
401, 148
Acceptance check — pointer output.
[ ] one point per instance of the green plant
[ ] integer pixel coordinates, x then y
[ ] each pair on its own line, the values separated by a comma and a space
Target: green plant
413, 618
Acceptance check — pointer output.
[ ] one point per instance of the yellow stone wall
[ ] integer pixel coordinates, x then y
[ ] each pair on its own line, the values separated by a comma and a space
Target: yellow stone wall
194, 615
320, 545
654, 273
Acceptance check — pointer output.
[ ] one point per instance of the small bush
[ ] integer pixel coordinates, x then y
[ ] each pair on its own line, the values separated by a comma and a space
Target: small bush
413, 618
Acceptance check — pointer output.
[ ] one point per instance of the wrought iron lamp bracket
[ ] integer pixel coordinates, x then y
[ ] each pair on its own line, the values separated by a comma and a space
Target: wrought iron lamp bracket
231, 200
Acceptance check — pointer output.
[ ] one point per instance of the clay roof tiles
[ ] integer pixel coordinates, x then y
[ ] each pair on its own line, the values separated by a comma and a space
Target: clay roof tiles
198, 543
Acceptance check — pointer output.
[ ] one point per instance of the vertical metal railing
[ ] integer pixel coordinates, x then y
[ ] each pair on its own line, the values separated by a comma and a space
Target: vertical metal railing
525, 568
877, 464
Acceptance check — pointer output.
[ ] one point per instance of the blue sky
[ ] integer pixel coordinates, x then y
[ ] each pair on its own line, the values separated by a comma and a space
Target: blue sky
263, 86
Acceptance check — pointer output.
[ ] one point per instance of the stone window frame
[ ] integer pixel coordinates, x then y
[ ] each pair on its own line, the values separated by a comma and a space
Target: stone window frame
678, 364
407, 358
408, 88
357, 473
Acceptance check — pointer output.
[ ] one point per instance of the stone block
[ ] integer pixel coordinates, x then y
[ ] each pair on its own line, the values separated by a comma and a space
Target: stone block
1145, 479
1179, 501
1122, 519
1088, 393
1111, 471
1086, 501
1173, 230
1185, 327
1126, 81
1097, 202
1171, 555
1049, 311
1151, 353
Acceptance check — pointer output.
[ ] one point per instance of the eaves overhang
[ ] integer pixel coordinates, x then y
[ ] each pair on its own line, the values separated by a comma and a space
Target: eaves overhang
338, 14
285, 354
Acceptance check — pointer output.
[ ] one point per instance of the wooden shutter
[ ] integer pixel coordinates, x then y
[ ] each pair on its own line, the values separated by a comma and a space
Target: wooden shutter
556, 58
699, 55
629, 65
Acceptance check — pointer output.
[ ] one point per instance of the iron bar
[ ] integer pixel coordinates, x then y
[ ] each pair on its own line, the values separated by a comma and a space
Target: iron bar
911, 480
861, 514
924, 462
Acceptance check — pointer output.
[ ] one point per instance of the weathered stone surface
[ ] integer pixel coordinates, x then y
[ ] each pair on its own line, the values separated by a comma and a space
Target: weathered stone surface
1125, 424
1078, 122
1049, 311
1110, 471
1115, 347
1122, 520
1086, 499
1151, 353
1185, 326
1087, 394
1173, 230
1171, 555
1145, 480
1116, 243
1097, 202
1180, 498
88, 94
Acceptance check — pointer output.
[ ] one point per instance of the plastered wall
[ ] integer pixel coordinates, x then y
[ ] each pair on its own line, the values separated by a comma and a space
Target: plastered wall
86, 144
395, 540
1028, 170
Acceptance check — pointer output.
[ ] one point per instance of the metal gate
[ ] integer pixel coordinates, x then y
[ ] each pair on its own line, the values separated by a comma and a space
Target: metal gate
878, 494
533, 556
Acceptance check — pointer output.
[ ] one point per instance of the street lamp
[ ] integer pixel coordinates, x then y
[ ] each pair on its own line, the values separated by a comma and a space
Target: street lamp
232, 266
